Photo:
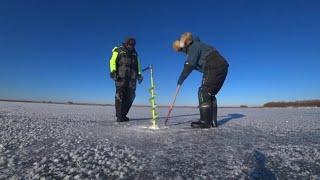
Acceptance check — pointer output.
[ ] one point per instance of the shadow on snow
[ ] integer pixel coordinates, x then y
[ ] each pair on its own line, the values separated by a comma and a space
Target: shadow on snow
221, 122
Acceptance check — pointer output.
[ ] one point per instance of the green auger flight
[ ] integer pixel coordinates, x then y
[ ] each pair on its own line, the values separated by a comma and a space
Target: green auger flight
153, 111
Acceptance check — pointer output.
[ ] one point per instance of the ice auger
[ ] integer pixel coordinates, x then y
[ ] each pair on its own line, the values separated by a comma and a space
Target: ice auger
153, 111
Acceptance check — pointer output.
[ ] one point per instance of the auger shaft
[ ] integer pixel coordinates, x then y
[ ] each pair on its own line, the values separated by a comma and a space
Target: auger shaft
154, 114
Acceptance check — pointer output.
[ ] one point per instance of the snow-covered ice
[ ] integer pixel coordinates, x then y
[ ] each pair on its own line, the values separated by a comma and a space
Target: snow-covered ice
51, 141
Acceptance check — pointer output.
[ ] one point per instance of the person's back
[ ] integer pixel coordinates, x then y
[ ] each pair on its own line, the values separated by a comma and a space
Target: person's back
198, 52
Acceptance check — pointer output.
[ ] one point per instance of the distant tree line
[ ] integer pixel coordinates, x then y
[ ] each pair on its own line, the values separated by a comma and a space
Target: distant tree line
306, 103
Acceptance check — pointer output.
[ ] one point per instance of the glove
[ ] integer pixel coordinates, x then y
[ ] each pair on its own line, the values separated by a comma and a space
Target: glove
114, 75
180, 81
140, 79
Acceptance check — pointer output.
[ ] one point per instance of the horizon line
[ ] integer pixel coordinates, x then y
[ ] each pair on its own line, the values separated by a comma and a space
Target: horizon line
109, 104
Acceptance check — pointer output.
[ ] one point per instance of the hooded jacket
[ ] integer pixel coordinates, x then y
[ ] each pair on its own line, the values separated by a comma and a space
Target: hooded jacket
197, 53
125, 63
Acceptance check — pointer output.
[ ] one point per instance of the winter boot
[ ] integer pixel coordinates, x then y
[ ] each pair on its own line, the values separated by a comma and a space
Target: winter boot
205, 118
121, 119
205, 108
126, 118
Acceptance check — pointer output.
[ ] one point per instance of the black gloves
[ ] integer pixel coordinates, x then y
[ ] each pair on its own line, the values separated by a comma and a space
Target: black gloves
140, 78
114, 75
180, 80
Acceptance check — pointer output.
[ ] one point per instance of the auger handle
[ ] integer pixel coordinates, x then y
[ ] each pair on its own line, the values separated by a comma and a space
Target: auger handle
171, 106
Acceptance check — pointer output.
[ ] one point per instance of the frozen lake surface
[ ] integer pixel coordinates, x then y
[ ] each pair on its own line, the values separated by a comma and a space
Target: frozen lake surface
85, 142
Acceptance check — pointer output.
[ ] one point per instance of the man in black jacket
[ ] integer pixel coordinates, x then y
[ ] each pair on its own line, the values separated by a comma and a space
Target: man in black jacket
207, 60
125, 70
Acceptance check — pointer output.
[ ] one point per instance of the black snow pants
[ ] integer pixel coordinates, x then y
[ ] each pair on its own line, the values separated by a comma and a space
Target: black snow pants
125, 95
214, 74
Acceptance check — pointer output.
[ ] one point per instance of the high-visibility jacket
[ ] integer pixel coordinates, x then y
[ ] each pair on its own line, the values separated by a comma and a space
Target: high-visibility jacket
125, 63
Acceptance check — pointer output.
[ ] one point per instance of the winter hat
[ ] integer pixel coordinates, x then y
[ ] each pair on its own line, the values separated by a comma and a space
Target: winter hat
176, 45
129, 40
185, 39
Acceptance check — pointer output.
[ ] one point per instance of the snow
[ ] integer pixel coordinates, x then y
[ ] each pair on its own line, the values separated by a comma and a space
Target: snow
54, 141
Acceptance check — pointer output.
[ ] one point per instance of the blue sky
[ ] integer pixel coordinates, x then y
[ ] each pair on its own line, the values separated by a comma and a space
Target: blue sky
60, 50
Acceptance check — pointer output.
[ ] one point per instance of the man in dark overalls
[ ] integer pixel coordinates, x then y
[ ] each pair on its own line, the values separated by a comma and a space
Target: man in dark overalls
125, 70
207, 60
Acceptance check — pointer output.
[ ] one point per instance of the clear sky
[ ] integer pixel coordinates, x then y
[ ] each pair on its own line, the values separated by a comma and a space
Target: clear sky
59, 50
